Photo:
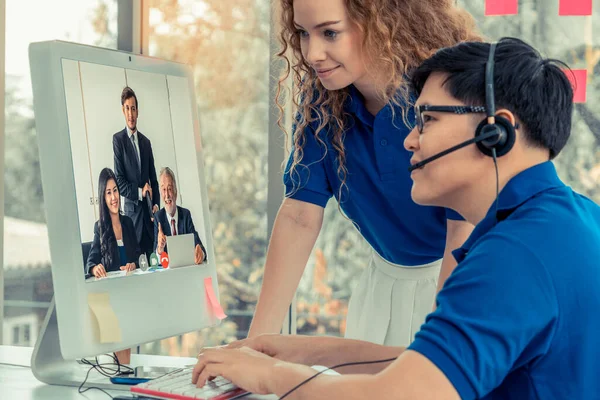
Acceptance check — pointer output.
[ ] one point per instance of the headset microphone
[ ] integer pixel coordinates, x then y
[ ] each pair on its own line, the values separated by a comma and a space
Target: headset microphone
482, 137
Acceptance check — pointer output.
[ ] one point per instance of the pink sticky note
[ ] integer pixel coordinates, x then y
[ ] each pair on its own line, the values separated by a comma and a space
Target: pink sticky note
575, 7
501, 7
212, 299
578, 78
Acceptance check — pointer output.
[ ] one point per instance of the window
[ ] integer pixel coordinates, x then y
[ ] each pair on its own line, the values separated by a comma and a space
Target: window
17, 330
27, 278
227, 43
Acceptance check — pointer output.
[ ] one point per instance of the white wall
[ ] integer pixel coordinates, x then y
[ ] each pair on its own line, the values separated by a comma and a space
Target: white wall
79, 150
187, 164
101, 88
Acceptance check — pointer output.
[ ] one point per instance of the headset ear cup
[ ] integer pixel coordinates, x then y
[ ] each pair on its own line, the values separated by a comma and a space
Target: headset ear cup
503, 143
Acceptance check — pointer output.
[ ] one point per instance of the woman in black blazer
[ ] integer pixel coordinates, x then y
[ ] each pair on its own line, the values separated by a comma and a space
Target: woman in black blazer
115, 245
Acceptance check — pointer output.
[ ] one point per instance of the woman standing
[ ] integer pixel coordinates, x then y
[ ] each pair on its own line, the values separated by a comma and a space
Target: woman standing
351, 60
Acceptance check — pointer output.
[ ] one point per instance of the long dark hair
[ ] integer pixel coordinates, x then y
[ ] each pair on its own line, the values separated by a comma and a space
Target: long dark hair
107, 234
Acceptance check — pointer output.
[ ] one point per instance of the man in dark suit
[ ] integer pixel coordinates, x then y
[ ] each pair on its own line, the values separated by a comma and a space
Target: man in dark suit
174, 220
136, 175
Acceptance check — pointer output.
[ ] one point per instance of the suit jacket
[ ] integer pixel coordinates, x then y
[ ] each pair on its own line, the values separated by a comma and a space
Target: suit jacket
132, 248
130, 178
184, 225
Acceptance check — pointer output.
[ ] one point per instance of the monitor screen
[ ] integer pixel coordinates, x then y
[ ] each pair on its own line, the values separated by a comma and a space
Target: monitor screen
125, 197
131, 135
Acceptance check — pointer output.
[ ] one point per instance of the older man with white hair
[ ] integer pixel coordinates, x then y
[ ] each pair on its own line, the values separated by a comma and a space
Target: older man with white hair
174, 220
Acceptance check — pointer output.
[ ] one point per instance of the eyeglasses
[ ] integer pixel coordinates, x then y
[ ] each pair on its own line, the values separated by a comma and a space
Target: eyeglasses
419, 110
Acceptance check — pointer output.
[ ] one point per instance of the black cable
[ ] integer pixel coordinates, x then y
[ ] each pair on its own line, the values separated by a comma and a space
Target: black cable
91, 387
334, 367
119, 365
104, 370
497, 183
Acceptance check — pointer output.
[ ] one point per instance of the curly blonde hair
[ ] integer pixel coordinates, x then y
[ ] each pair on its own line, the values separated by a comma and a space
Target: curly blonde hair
400, 35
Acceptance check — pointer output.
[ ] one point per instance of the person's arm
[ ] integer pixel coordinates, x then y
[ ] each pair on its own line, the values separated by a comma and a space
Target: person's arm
153, 179
411, 376
190, 228
95, 255
156, 222
457, 233
295, 232
322, 350
126, 188
137, 252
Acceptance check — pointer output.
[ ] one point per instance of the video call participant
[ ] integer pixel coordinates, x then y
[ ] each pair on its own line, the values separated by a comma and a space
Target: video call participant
115, 246
136, 174
517, 319
174, 220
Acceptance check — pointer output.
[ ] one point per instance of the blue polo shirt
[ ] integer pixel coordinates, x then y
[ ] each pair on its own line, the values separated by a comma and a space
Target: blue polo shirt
377, 196
518, 318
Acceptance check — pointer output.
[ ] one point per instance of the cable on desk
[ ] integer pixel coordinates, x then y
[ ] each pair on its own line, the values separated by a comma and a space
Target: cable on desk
105, 369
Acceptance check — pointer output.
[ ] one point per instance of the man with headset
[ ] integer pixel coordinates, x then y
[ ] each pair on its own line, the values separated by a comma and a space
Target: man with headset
517, 319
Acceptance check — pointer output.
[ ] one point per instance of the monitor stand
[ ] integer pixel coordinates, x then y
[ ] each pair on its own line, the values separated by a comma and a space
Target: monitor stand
49, 366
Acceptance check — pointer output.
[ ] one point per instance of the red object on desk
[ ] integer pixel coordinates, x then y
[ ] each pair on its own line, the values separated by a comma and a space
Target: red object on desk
501, 7
575, 7
578, 79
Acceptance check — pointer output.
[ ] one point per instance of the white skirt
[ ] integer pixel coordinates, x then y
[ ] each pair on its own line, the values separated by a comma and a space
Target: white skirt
391, 301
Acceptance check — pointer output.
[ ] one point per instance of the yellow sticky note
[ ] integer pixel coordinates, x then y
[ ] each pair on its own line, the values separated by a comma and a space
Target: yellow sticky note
106, 326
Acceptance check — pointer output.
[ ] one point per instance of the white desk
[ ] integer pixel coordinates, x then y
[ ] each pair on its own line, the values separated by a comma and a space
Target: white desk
123, 274
19, 383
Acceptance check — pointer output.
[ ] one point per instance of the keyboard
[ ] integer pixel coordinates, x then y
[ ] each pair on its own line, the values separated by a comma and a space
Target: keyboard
178, 385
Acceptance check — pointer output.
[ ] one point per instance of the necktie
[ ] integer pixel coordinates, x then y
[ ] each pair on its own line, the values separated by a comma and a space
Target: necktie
135, 150
173, 230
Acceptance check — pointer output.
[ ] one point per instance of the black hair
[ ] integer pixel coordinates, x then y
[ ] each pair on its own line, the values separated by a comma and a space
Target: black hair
128, 93
534, 88
107, 234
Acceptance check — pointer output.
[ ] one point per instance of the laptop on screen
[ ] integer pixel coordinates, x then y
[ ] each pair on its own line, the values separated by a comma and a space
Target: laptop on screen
181, 250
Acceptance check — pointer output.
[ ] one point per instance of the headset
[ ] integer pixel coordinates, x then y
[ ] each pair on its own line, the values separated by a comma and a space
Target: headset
494, 136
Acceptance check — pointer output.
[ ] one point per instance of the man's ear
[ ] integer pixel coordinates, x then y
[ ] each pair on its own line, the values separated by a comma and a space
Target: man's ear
507, 114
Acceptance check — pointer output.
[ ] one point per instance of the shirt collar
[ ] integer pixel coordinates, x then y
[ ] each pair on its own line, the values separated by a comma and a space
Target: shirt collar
524, 186
169, 218
130, 132
355, 105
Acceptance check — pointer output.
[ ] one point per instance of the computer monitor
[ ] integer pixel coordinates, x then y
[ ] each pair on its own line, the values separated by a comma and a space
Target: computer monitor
83, 126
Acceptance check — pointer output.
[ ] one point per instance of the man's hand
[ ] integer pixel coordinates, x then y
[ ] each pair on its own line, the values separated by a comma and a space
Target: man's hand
199, 255
155, 208
98, 271
128, 267
162, 240
291, 348
147, 189
244, 367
